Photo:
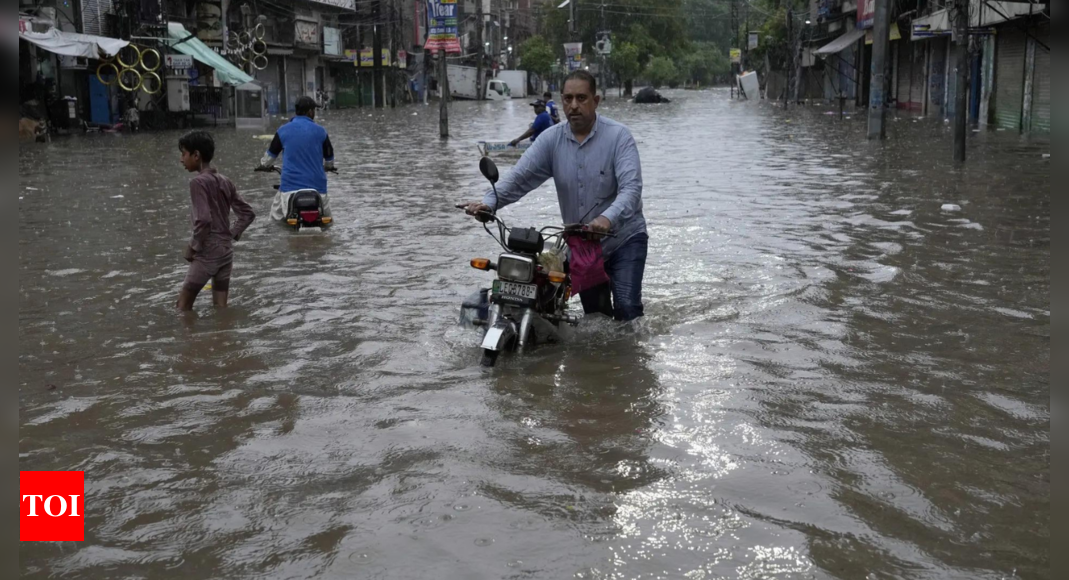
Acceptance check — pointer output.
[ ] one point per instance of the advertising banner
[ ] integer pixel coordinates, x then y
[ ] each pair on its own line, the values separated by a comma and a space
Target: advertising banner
574, 53
442, 16
332, 41
367, 57
866, 13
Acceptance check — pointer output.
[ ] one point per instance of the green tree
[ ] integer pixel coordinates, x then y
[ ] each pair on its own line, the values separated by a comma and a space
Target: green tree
662, 71
625, 63
704, 63
537, 56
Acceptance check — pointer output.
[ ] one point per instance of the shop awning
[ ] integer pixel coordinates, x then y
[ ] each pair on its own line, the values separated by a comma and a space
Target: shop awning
987, 13
72, 44
185, 43
840, 44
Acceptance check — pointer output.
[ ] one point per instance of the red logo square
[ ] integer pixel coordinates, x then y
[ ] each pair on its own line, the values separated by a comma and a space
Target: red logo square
52, 506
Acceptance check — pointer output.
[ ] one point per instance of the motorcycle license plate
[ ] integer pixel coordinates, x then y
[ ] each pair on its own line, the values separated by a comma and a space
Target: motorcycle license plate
525, 291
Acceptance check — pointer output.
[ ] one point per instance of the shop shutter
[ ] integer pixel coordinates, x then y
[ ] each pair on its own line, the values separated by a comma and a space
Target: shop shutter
294, 82
268, 78
905, 70
1041, 85
1009, 77
916, 86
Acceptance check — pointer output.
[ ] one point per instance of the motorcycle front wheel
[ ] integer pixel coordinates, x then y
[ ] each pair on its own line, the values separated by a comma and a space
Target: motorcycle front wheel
490, 358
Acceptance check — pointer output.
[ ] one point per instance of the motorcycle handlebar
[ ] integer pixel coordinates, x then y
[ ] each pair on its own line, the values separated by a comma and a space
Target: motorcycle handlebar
278, 170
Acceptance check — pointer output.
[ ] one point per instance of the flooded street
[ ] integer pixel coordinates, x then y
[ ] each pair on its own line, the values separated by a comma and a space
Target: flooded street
835, 378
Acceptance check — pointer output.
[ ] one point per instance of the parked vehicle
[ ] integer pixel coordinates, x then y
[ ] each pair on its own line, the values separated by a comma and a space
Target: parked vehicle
463, 84
516, 80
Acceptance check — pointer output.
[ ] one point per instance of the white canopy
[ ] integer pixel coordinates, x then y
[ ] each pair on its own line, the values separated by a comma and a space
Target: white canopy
72, 44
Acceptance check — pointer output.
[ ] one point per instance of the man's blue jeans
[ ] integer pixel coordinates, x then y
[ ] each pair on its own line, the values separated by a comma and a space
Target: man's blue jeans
621, 298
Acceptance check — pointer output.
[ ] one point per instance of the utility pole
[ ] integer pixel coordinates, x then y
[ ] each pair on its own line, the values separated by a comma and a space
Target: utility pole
480, 26
573, 28
799, 70
961, 94
376, 49
389, 74
881, 34
601, 57
790, 51
444, 95
735, 29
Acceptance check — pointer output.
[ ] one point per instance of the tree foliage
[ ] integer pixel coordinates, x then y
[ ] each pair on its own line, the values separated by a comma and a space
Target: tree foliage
537, 56
662, 71
704, 63
625, 61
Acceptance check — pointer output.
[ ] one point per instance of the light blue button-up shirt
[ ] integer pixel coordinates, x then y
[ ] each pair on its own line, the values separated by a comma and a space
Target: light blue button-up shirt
601, 177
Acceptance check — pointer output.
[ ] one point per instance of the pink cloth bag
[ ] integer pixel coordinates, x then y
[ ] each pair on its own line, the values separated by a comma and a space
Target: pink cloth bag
587, 264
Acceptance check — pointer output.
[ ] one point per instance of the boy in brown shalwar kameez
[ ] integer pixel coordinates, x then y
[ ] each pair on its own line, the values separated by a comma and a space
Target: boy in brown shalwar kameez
210, 252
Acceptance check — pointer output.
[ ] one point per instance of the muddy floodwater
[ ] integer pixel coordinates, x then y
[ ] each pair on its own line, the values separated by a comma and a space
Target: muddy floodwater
836, 378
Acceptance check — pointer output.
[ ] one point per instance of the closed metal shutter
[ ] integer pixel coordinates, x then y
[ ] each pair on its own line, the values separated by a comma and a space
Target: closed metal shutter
916, 86
1009, 77
1041, 86
268, 78
905, 69
294, 82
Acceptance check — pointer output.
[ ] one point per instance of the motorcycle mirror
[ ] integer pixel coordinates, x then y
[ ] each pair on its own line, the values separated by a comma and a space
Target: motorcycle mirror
489, 170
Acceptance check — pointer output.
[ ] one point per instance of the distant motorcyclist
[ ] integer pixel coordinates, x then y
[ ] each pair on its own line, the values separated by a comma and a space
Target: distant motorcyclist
309, 155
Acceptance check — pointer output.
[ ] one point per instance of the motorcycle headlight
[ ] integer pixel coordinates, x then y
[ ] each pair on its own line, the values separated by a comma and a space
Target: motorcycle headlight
516, 269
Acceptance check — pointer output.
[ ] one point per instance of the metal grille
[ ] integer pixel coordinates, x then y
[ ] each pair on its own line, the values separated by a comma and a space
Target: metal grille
1009, 78
1041, 88
94, 16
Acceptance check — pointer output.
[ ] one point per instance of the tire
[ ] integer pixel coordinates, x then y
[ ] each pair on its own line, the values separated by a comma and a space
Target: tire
490, 358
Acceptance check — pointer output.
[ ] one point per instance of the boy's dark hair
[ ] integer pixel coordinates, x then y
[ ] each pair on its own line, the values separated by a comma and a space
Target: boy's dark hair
548, 96
198, 142
582, 75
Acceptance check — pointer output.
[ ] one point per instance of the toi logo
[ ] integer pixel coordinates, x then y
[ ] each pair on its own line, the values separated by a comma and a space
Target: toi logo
52, 506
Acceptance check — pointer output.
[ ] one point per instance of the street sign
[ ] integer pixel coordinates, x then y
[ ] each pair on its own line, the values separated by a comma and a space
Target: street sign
754, 41
604, 43
178, 61
736, 55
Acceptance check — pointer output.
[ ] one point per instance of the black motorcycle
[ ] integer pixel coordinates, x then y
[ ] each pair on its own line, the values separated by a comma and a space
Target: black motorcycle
305, 206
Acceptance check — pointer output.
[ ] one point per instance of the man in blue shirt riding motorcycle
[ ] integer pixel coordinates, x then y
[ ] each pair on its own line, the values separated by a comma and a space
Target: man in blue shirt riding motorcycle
309, 155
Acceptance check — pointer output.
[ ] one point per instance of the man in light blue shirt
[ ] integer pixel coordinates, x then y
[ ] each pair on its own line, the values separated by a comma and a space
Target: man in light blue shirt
595, 165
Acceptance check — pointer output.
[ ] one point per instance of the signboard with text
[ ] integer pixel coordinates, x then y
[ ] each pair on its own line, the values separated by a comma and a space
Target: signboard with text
178, 61
346, 4
442, 17
367, 57
866, 13
574, 52
332, 41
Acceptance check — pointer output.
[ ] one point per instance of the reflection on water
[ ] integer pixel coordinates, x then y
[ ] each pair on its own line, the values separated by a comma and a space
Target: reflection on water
835, 379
